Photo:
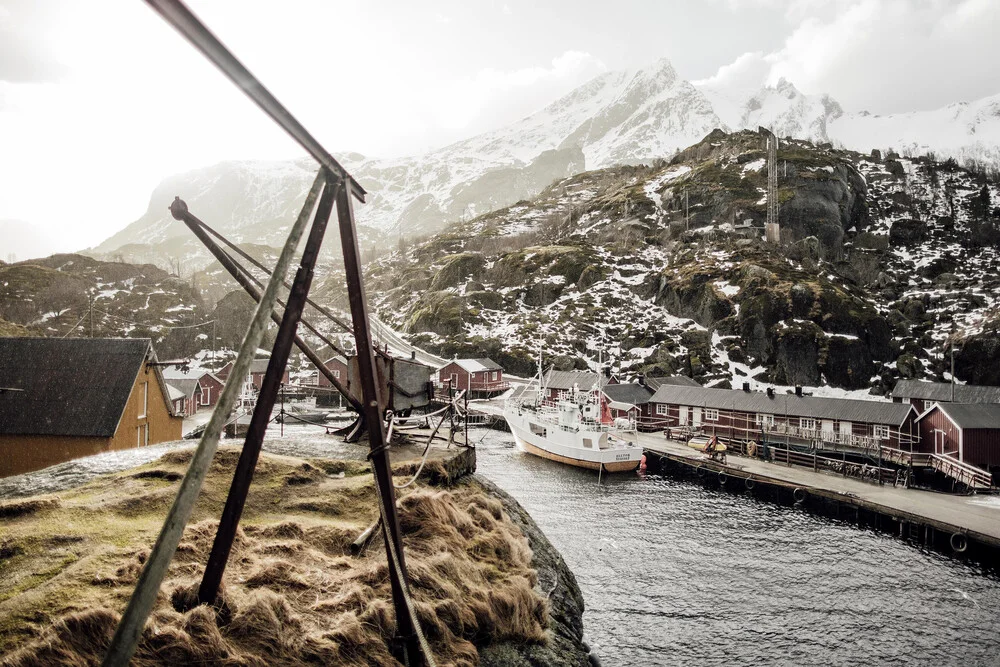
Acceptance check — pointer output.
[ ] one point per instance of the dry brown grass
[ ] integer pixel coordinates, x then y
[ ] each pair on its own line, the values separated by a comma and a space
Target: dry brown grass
293, 593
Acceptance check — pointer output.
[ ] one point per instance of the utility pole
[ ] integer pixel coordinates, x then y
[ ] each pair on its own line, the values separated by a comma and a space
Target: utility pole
213, 342
91, 300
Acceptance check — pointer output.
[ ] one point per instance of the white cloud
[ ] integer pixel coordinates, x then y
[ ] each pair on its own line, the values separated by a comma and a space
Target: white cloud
882, 55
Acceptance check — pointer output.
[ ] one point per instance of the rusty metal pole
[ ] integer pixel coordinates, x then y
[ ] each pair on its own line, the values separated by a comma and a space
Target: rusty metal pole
379, 454
269, 388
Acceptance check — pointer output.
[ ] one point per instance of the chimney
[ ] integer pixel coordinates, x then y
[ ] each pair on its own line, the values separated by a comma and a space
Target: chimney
798, 390
770, 392
413, 355
746, 386
641, 380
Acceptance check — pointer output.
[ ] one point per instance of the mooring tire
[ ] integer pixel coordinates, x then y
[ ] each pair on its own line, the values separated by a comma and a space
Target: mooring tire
749, 483
959, 543
799, 495
723, 478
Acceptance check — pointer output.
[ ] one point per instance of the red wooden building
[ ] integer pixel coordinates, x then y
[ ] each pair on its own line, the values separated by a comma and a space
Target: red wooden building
560, 384
969, 432
338, 365
747, 415
478, 376
201, 388
257, 369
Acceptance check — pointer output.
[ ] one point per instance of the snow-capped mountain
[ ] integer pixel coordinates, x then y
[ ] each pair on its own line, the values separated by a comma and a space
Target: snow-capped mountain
618, 117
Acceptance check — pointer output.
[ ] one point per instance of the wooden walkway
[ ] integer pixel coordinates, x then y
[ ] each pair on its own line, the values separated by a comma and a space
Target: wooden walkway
976, 518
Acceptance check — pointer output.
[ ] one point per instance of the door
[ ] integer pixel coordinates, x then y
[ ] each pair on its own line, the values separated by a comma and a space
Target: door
939, 441
682, 415
696, 417
827, 426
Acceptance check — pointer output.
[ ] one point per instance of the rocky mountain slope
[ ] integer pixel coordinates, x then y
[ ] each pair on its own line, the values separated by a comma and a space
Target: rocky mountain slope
617, 118
662, 269
52, 297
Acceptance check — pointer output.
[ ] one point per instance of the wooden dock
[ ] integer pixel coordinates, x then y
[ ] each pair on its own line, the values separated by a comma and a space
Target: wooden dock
967, 525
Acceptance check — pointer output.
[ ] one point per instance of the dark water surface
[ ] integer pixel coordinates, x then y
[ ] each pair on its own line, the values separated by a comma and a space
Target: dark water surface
674, 574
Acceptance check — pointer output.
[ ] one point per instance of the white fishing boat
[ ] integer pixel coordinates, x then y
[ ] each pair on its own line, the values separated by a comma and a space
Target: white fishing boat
571, 426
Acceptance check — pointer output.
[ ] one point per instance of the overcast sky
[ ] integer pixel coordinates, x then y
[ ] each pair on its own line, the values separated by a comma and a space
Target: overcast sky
99, 100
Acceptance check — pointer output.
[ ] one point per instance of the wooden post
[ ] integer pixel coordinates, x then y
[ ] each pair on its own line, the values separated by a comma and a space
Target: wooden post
405, 630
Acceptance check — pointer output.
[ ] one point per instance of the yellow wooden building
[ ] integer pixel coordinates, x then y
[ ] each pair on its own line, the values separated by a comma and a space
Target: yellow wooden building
65, 398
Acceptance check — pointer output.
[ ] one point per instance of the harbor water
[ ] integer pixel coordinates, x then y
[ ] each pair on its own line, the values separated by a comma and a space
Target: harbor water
676, 574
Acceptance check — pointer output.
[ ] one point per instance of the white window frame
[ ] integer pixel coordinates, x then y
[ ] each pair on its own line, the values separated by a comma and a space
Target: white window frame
454, 379
881, 432
145, 400
496, 376
138, 437
711, 415
807, 423
764, 418
662, 409
336, 373
145, 431
206, 395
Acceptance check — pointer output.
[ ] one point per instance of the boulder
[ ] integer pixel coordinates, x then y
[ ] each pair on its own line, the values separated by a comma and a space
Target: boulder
907, 232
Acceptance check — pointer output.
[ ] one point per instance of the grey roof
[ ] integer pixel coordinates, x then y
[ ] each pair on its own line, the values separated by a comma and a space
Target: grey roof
584, 380
941, 391
678, 380
633, 394
185, 385
971, 415
71, 386
844, 409
259, 365
476, 365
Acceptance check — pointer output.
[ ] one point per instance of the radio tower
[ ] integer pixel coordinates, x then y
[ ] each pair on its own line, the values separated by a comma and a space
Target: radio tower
772, 231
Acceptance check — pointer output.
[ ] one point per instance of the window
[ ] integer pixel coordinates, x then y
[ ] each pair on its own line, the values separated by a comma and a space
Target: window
765, 420
661, 409
496, 376
336, 374
807, 423
881, 432
145, 399
711, 415
845, 428
536, 429
454, 379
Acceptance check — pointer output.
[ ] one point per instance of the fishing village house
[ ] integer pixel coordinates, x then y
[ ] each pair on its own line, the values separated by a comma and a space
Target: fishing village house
630, 400
967, 432
560, 385
258, 367
201, 388
65, 398
750, 415
338, 366
921, 394
478, 376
